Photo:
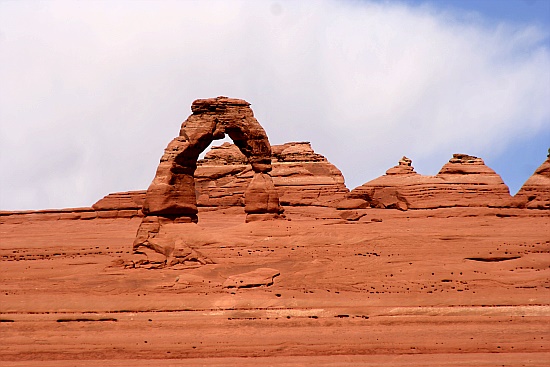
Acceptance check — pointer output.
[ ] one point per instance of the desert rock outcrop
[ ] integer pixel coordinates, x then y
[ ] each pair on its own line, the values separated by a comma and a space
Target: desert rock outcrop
462, 182
404, 167
172, 192
121, 201
300, 176
463, 283
172, 197
535, 192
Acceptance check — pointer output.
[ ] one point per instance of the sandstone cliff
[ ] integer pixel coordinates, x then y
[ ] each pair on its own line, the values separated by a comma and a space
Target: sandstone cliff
301, 176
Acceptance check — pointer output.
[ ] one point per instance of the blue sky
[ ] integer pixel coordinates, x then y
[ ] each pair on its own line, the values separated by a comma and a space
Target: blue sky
518, 11
92, 92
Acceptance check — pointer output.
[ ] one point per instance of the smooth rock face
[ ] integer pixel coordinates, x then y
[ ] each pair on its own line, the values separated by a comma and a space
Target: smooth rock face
301, 176
261, 197
172, 195
305, 178
463, 181
444, 287
535, 192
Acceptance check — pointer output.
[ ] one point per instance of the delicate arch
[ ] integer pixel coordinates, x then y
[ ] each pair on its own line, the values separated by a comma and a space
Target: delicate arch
172, 193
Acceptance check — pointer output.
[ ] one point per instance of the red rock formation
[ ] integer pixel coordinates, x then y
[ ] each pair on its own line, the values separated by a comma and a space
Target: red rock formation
172, 197
412, 288
301, 176
463, 181
121, 201
172, 192
535, 192
304, 177
49, 215
404, 167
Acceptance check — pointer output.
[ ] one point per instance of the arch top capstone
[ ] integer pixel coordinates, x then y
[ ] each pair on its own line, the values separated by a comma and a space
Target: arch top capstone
217, 103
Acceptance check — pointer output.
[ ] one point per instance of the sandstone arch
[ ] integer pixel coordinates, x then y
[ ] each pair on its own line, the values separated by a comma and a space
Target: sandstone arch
171, 196
172, 192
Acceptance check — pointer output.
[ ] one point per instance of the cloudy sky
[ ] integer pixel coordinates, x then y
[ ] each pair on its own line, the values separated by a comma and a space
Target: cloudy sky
91, 92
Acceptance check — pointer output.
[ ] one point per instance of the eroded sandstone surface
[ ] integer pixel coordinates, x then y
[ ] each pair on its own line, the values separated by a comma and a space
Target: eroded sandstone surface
446, 287
465, 181
300, 176
171, 198
341, 279
535, 192
172, 192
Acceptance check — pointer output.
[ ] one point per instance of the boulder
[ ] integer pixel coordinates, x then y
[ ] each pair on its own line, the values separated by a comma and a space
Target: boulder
351, 215
261, 196
255, 278
353, 204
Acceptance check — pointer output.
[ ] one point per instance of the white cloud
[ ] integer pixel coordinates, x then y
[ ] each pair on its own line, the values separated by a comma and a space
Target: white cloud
92, 92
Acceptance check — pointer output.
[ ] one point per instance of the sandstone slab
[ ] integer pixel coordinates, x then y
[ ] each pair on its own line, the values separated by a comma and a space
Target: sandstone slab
255, 278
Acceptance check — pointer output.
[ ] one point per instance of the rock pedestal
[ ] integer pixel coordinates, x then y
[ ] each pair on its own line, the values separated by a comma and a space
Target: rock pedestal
261, 197
404, 167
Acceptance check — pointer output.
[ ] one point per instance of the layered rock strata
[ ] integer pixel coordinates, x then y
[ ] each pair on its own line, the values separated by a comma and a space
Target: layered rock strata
129, 200
300, 176
171, 197
535, 192
305, 178
465, 181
